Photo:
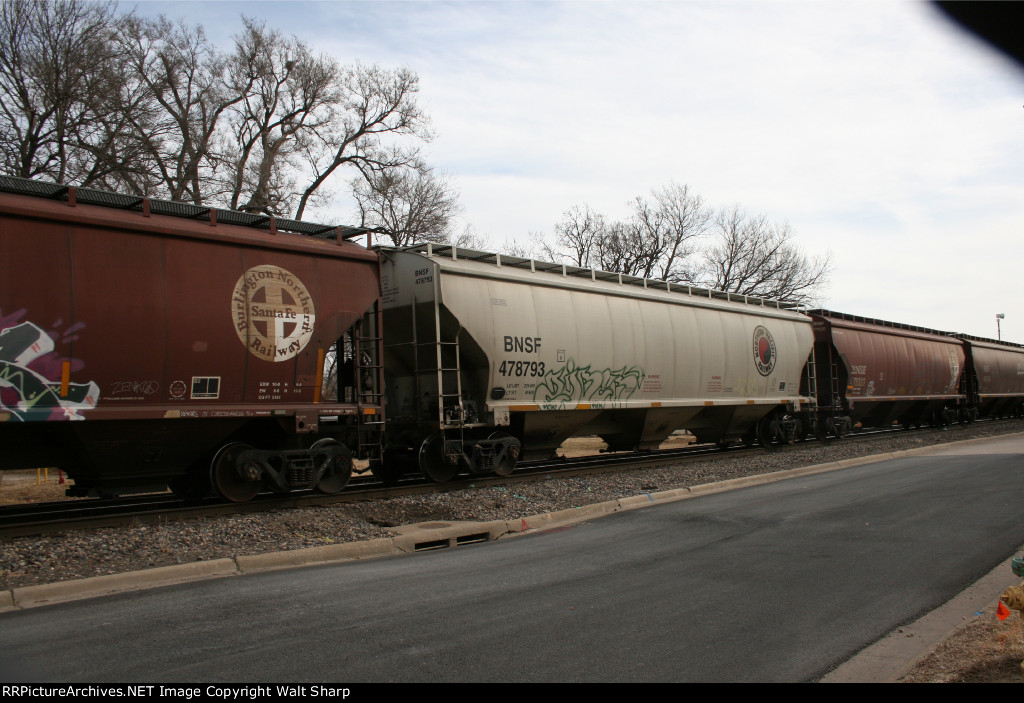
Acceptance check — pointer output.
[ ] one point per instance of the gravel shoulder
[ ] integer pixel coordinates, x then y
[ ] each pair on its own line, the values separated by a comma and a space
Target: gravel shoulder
982, 649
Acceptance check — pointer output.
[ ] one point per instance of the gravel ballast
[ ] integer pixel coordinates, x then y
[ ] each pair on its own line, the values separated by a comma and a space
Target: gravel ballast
73, 555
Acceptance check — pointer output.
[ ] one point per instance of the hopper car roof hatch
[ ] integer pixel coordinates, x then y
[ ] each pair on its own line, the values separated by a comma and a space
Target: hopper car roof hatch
119, 201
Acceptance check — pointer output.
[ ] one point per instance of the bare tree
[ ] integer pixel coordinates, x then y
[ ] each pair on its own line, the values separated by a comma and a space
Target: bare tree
667, 237
578, 236
532, 248
151, 107
653, 242
287, 97
468, 238
752, 256
684, 219
634, 246
370, 104
176, 97
53, 54
409, 205
624, 248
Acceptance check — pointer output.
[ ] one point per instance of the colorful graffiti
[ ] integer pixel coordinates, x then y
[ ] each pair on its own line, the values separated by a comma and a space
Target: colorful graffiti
34, 381
572, 382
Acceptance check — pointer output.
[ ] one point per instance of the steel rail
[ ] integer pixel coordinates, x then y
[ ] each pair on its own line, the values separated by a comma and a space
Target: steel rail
88, 513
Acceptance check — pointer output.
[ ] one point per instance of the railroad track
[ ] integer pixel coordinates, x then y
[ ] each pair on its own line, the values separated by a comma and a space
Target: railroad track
87, 513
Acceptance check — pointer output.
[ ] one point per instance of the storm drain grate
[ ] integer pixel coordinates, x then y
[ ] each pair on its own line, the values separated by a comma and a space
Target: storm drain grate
445, 543
472, 539
434, 544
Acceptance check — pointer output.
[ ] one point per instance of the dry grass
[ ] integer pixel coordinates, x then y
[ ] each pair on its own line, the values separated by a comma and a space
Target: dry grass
982, 650
28, 487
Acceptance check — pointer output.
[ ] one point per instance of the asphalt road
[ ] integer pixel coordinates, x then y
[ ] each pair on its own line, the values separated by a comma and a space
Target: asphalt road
778, 582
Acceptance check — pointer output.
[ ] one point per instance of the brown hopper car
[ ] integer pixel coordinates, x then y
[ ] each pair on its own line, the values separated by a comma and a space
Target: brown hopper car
874, 373
994, 381
141, 341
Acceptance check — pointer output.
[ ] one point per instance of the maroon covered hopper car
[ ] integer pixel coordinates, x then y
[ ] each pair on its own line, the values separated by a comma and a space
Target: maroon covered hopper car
873, 373
994, 382
146, 343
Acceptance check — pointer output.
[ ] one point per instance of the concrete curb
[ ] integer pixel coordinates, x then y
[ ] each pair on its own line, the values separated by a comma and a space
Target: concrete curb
325, 554
44, 594
569, 516
410, 538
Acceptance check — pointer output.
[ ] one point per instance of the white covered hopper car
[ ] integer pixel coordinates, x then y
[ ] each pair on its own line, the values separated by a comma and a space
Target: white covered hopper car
491, 358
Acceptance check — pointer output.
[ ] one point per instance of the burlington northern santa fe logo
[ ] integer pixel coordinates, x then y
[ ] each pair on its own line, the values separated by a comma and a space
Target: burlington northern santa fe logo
273, 313
764, 350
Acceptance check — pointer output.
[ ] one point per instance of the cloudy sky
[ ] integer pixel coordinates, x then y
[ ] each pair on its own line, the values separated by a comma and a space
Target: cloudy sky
883, 135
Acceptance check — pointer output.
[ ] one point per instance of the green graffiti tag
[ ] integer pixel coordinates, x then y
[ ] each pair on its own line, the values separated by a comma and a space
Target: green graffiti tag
572, 382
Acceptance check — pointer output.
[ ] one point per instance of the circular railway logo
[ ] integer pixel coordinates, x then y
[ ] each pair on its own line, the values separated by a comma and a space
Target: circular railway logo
764, 350
273, 313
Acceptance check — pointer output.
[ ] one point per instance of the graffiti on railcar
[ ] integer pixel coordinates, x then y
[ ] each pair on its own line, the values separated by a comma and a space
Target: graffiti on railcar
572, 382
34, 381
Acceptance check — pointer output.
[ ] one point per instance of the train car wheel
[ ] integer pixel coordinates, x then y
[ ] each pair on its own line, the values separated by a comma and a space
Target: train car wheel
338, 471
507, 464
505, 467
432, 460
227, 480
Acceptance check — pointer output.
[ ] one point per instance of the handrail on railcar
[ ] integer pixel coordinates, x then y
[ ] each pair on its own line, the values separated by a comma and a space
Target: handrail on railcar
456, 253
832, 314
119, 201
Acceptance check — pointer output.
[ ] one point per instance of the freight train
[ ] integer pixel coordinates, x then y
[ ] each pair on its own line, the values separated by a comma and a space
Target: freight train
147, 344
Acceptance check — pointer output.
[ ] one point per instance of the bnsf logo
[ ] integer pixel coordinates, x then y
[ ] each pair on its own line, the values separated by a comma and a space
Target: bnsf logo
522, 344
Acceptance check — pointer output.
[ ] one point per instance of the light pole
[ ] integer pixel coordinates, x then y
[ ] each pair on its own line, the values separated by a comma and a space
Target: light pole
999, 331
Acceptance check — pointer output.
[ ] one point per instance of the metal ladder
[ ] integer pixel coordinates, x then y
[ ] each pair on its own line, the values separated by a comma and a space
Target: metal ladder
451, 414
835, 402
370, 384
450, 410
812, 377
